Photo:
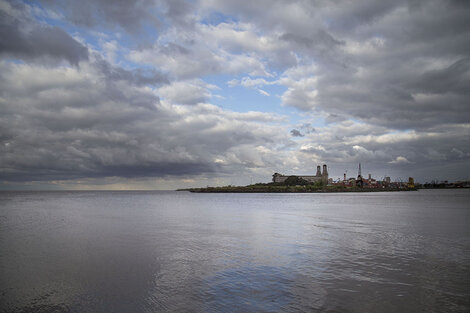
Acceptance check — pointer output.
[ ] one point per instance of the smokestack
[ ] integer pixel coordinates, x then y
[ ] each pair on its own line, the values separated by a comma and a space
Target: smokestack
318, 171
344, 176
370, 177
325, 171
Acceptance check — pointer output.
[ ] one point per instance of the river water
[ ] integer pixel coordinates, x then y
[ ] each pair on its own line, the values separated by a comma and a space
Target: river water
184, 252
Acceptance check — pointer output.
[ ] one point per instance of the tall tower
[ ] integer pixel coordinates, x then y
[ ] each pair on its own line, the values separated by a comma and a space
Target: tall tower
318, 171
359, 181
324, 176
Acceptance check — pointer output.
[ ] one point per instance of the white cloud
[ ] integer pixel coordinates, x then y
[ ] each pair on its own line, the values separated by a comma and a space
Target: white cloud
238, 37
186, 92
301, 95
249, 82
400, 160
208, 49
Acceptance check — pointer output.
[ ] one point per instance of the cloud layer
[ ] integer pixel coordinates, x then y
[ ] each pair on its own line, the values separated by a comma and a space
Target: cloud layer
218, 91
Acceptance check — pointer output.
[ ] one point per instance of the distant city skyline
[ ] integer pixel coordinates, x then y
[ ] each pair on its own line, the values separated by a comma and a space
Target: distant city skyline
170, 94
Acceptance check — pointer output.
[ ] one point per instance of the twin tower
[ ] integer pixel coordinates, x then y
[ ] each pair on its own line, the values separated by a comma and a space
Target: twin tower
319, 177
325, 171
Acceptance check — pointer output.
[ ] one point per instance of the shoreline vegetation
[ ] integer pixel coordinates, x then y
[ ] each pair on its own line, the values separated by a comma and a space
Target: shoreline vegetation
283, 188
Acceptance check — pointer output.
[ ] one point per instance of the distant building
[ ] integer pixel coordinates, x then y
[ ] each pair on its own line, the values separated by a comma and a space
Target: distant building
371, 183
359, 181
318, 177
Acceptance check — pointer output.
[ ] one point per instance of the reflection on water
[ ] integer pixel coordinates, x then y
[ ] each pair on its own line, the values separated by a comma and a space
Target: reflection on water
176, 251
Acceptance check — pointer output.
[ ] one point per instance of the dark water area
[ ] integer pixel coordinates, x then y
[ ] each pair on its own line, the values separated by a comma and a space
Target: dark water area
183, 252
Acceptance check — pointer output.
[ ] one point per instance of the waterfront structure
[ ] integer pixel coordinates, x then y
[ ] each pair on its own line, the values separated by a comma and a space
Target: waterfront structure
359, 181
370, 183
366, 181
318, 177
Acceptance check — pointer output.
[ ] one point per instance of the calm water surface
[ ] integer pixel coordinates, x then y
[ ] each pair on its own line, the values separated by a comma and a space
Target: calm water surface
183, 252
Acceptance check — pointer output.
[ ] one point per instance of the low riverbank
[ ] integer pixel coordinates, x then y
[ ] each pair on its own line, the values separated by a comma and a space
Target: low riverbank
289, 189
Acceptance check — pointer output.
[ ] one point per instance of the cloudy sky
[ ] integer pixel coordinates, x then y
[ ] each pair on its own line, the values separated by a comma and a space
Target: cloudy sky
164, 94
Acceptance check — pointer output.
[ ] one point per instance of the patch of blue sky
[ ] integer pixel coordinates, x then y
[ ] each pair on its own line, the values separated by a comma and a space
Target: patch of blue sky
146, 35
13, 60
318, 122
241, 99
215, 18
42, 14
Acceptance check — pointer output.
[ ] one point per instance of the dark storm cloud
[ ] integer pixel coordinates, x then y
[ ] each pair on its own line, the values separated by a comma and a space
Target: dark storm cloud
24, 39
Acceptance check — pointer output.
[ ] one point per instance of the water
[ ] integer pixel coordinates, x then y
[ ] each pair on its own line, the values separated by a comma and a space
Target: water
183, 252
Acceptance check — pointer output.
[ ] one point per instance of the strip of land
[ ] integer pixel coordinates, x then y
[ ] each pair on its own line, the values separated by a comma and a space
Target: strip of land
278, 188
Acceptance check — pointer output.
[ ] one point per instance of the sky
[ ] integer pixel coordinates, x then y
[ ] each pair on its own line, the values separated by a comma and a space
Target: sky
165, 94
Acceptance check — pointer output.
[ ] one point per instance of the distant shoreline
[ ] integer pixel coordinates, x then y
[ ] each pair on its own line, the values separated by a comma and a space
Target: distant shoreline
289, 189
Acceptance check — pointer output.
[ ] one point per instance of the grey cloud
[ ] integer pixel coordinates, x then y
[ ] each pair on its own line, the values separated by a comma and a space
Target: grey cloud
394, 86
177, 11
130, 15
179, 61
159, 169
307, 128
400, 64
296, 133
347, 16
455, 78
334, 118
320, 43
189, 92
173, 48
27, 40
139, 76
81, 122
